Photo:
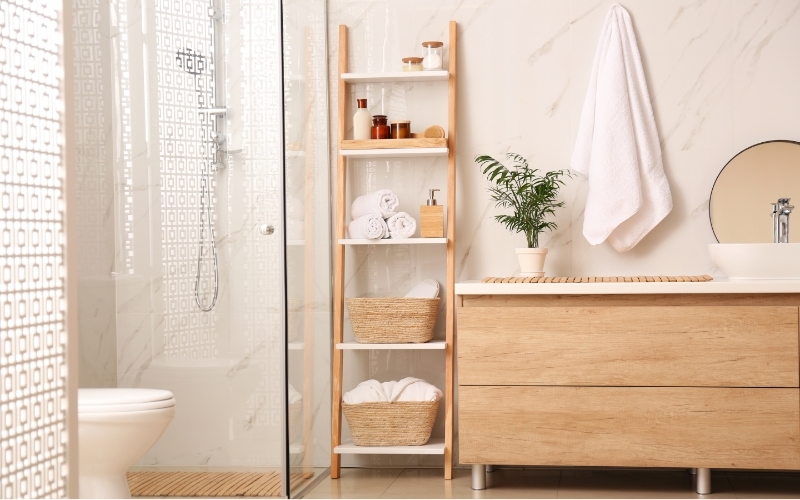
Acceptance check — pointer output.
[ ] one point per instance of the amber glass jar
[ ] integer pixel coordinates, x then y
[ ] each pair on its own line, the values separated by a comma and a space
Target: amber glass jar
401, 129
380, 129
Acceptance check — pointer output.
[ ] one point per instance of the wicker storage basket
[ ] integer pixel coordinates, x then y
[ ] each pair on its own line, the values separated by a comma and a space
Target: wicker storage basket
294, 422
392, 320
391, 424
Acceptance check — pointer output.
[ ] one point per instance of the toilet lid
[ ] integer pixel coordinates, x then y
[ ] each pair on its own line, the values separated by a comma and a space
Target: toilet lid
123, 399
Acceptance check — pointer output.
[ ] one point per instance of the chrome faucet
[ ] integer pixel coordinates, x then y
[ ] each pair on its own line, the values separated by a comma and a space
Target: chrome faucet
780, 220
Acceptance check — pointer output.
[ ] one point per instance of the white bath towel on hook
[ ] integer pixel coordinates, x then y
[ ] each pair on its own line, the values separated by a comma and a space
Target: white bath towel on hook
617, 145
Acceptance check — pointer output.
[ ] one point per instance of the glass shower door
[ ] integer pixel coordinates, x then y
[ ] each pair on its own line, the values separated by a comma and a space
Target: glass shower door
308, 236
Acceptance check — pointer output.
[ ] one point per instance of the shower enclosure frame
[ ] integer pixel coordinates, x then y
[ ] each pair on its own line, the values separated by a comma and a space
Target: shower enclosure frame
71, 248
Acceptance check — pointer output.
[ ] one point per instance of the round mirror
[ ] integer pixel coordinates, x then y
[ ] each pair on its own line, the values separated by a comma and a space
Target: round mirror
743, 194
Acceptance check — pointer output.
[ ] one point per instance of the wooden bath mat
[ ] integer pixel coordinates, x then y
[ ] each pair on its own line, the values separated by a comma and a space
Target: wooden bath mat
601, 279
208, 484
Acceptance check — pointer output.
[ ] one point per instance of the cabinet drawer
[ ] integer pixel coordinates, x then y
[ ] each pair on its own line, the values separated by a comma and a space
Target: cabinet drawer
630, 426
713, 346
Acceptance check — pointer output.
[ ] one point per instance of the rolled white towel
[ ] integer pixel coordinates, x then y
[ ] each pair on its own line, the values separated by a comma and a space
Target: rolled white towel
401, 225
370, 227
383, 202
408, 389
425, 289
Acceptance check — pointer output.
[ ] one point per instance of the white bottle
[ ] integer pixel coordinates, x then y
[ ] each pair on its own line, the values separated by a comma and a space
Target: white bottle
362, 121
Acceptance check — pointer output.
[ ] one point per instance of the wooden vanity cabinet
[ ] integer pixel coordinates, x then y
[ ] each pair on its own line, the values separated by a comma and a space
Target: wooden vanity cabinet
691, 380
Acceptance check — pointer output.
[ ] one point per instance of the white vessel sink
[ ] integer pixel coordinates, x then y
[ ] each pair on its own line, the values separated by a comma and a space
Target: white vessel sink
749, 261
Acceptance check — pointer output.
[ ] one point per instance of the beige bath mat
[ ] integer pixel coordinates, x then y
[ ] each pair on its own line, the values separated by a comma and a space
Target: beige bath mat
208, 484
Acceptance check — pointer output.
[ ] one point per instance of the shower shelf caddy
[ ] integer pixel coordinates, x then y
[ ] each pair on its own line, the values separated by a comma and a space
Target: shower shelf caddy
377, 149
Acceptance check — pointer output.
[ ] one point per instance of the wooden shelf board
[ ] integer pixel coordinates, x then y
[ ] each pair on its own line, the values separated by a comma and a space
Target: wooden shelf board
433, 447
296, 346
396, 76
392, 241
296, 448
396, 153
295, 243
426, 346
415, 143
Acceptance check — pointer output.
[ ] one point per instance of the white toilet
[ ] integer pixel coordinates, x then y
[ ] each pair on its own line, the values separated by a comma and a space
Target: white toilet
115, 428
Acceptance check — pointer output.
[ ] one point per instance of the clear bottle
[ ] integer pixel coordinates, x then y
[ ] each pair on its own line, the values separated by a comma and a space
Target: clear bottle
362, 121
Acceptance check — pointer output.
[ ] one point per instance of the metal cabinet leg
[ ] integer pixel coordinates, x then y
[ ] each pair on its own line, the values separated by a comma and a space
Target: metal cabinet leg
692, 471
478, 477
703, 481
489, 468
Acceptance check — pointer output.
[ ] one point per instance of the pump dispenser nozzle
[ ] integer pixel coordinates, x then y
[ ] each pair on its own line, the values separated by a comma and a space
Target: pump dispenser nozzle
431, 197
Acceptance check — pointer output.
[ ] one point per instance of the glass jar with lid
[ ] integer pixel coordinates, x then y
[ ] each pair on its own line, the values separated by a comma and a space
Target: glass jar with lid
380, 127
412, 64
433, 56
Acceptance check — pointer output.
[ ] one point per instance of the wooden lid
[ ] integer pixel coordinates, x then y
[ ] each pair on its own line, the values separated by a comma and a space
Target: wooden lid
416, 60
432, 44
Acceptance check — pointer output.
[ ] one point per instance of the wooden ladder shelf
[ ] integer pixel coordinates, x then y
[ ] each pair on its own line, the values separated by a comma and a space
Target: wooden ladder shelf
352, 149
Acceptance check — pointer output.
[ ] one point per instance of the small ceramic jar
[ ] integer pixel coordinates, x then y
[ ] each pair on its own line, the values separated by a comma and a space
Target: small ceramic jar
380, 129
412, 64
433, 56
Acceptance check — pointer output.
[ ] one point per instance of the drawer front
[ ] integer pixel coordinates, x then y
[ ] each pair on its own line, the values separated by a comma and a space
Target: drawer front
630, 426
688, 346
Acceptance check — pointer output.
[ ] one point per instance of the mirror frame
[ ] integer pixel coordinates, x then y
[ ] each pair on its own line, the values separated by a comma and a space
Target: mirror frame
710, 222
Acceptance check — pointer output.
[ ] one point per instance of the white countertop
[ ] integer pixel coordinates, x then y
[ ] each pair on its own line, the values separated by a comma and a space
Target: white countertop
718, 285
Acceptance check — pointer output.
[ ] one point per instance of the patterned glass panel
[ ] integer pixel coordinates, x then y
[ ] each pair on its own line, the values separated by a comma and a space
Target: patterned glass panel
33, 395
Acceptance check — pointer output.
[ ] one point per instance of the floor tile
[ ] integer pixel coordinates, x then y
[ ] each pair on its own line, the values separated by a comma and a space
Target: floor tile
637, 483
765, 484
505, 483
356, 483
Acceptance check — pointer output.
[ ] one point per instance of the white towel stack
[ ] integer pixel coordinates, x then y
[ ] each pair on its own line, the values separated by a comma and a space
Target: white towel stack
401, 225
381, 204
369, 227
408, 389
617, 145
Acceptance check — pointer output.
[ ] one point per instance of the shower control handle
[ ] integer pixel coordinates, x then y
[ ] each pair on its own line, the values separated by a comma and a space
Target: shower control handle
266, 229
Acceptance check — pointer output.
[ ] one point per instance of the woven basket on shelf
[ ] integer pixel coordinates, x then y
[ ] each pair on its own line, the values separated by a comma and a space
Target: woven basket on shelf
392, 320
391, 424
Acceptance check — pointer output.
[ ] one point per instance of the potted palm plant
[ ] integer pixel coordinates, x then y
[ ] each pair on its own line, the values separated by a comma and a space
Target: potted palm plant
532, 199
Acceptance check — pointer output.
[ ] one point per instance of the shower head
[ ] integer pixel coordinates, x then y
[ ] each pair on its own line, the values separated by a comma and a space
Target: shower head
192, 62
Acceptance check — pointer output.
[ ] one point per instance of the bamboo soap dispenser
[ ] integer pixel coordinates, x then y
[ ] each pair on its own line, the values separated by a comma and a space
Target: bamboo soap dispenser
431, 217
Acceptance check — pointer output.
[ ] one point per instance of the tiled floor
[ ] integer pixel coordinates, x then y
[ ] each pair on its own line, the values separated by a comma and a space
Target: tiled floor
555, 483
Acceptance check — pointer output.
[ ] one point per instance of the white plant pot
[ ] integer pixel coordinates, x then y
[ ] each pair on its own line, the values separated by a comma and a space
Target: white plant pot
531, 262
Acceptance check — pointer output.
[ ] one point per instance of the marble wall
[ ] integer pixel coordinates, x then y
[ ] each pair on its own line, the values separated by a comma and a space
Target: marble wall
721, 74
